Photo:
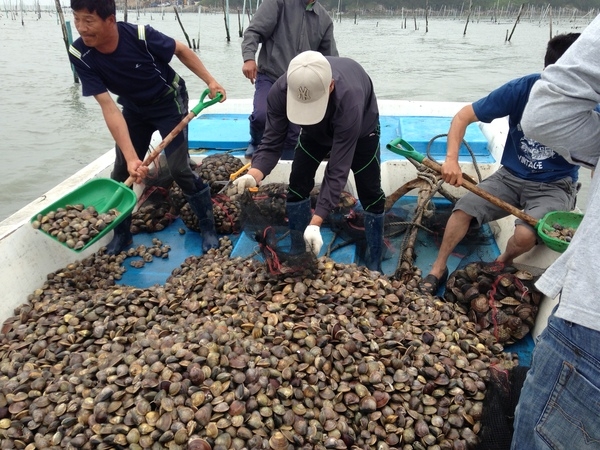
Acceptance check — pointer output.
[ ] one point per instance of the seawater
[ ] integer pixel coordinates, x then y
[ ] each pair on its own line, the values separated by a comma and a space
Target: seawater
48, 130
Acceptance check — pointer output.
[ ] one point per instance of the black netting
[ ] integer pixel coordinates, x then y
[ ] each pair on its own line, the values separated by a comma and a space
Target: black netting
274, 240
501, 398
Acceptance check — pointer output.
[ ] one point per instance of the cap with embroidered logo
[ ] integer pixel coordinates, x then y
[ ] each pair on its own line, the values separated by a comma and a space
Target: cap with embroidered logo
308, 77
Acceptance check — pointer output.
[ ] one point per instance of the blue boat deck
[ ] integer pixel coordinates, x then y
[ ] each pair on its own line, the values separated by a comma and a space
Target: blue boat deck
230, 132
477, 246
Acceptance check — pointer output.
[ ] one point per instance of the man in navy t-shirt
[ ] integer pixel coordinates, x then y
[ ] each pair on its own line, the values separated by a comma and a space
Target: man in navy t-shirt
132, 62
532, 176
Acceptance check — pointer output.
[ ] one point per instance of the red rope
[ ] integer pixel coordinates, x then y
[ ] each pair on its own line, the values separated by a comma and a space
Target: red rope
492, 303
218, 201
271, 258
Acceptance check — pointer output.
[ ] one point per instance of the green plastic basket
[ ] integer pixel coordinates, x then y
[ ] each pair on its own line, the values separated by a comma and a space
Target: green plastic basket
103, 194
563, 218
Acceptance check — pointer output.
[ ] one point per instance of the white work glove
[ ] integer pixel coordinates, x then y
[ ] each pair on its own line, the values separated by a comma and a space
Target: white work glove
313, 239
244, 182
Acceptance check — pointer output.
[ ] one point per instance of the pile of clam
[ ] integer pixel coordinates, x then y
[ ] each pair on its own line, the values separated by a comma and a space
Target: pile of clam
177, 197
226, 212
215, 170
155, 213
270, 202
560, 232
74, 225
226, 356
501, 299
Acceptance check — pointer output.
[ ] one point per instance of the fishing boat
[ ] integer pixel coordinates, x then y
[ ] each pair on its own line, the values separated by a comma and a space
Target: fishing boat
27, 256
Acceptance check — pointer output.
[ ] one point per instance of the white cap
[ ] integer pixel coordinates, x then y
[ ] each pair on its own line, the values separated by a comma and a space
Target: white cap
308, 78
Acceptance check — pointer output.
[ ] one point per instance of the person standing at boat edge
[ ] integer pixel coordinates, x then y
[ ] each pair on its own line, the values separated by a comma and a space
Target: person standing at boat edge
284, 28
332, 98
132, 61
532, 177
559, 405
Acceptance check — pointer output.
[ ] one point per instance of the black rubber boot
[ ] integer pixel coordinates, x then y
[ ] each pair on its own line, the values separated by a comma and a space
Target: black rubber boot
374, 235
298, 215
201, 205
122, 237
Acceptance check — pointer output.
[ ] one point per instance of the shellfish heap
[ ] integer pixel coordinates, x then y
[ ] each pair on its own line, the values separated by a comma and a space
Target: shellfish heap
74, 225
503, 300
225, 356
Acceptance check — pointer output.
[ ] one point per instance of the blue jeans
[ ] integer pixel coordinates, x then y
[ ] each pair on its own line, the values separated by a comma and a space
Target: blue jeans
559, 406
258, 118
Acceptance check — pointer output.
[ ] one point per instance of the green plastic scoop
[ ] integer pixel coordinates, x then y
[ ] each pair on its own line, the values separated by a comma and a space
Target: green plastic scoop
105, 194
542, 227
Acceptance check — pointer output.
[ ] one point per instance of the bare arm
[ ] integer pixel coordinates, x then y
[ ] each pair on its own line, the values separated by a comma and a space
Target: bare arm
192, 62
249, 70
451, 172
118, 129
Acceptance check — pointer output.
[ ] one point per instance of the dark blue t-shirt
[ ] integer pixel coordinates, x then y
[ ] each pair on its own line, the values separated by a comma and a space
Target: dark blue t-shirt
138, 70
523, 157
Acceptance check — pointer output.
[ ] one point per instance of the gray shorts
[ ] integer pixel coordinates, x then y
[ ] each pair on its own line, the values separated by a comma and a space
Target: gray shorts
533, 197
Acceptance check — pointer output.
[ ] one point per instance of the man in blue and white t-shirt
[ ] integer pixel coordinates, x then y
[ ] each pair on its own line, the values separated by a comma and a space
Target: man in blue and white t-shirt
532, 177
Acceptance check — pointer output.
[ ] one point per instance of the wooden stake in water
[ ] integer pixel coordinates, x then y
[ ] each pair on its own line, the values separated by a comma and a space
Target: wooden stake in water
187, 38
125, 7
226, 18
468, 17
65, 35
516, 21
199, 26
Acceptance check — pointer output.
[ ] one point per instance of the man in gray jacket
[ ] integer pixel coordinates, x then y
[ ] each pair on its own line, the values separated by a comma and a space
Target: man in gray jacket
333, 99
560, 401
284, 28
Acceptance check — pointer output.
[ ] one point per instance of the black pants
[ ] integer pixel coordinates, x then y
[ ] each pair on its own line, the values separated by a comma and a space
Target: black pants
163, 115
366, 166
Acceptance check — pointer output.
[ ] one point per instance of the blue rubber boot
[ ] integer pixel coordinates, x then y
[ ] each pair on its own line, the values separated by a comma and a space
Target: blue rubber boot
201, 205
122, 237
374, 235
298, 215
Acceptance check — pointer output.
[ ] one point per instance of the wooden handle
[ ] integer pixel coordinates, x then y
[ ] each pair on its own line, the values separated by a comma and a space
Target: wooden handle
486, 195
166, 141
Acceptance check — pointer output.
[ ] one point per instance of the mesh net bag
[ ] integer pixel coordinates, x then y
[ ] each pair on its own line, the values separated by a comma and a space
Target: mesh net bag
502, 299
498, 412
225, 210
269, 202
177, 197
155, 211
215, 170
273, 238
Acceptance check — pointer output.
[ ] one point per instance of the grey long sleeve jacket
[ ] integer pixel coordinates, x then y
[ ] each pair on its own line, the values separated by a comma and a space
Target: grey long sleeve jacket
561, 113
285, 28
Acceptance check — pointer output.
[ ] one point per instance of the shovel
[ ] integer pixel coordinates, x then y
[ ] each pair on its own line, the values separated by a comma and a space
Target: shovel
542, 227
105, 194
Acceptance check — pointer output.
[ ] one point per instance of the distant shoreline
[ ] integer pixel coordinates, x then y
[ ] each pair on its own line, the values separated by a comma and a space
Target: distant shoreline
476, 15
